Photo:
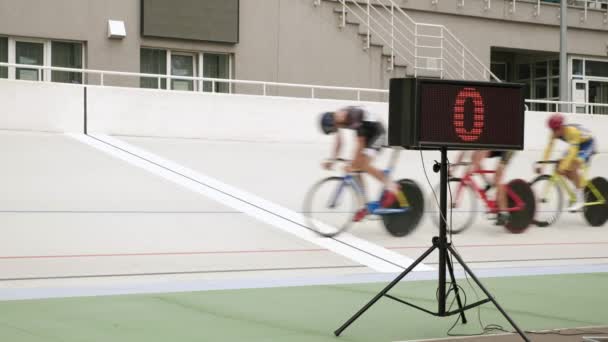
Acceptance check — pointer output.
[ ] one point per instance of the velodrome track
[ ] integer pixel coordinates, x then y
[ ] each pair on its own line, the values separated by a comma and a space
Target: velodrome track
91, 209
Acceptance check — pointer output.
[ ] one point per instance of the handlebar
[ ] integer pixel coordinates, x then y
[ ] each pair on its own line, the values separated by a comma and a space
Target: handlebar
461, 164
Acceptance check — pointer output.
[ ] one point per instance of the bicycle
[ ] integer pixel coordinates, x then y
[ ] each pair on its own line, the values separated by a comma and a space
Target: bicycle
331, 204
550, 188
465, 191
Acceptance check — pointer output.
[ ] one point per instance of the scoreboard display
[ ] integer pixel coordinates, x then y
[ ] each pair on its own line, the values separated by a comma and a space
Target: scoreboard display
432, 113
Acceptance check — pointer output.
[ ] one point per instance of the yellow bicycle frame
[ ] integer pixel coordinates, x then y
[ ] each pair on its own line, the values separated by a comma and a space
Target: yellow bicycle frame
561, 182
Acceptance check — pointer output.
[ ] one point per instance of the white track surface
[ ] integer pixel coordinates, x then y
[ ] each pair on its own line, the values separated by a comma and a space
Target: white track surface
69, 211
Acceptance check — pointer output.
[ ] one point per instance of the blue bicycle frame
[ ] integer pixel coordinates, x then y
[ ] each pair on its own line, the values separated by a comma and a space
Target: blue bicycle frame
373, 207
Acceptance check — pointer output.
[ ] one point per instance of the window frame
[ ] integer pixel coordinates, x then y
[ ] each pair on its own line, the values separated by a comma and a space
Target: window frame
195, 66
198, 65
46, 58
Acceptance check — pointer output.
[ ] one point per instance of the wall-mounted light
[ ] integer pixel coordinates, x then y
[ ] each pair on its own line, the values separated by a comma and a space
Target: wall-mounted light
116, 29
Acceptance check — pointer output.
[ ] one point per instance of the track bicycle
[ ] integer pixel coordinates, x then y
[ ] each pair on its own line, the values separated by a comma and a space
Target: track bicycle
464, 194
331, 204
550, 189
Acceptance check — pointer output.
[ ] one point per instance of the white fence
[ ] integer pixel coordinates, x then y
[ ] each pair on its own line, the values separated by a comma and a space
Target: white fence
310, 91
132, 79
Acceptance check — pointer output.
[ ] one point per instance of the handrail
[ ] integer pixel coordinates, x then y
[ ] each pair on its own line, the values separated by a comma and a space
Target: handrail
309, 86
264, 84
396, 17
389, 33
369, 27
398, 31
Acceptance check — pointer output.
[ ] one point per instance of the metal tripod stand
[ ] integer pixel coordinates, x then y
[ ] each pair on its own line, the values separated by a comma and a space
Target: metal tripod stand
441, 243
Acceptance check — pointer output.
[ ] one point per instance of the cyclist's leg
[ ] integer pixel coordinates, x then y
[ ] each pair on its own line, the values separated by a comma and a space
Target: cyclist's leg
478, 157
501, 191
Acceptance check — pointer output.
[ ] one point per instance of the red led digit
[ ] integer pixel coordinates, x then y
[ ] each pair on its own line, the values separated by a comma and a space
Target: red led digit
478, 114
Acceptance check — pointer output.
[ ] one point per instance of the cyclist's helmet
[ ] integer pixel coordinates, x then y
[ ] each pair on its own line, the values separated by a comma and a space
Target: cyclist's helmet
328, 123
555, 121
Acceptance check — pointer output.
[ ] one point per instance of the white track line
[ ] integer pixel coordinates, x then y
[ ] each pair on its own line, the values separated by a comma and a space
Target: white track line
361, 251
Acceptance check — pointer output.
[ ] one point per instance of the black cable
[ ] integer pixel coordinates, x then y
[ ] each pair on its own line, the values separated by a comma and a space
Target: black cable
485, 328
430, 185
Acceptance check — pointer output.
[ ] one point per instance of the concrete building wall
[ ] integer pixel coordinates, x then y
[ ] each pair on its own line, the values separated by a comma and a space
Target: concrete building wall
294, 41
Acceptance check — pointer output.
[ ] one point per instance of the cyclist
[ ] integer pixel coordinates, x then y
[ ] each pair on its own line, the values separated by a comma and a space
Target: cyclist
582, 147
504, 157
370, 138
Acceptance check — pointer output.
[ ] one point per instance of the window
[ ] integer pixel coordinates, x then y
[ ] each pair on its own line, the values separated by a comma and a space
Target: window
182, 65
523, 71
540, 69
41, 52
554, 64
66, 55
500, 70
31, 54
3, 56
153, 61
596, 68
577, 67
216, 66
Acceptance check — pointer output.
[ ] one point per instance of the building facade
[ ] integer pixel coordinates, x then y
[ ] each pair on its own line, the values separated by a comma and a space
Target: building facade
297, 41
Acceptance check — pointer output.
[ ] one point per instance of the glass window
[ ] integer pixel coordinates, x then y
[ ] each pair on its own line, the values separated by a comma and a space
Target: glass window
182, 65
540, 69
500, 70
66, 55
29, 53
554, 67
577, 67
554, 87
153, 61
540, 89
596, 68
216, 66
3, 56
523, 71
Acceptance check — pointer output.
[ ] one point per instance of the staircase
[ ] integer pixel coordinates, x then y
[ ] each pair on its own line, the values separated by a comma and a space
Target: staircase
426, 50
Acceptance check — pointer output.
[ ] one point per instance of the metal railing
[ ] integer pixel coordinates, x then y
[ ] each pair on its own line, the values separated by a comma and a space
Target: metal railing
584, 5
428, 49
312, 90
567, 106
263, 88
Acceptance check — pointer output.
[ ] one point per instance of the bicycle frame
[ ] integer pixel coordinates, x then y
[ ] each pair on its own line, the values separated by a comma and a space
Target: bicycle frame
491, 205
563, 184
373, 207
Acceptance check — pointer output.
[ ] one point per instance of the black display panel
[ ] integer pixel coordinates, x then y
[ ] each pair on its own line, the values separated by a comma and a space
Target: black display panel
204, 20
430, 113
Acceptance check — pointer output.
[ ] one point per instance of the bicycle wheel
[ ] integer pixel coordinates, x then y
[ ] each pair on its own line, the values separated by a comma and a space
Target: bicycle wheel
519, 220
401, 224
330, 205
596, 215
462, 206
549, 200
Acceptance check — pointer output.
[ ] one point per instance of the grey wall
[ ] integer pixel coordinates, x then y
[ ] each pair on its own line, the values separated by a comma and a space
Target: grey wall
291, 40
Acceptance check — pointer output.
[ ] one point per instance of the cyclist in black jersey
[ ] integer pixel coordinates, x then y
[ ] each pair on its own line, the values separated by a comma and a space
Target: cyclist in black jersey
501, 195
371, 136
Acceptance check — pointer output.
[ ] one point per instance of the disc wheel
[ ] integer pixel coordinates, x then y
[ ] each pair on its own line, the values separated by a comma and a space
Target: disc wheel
330, 205
520, 220
462, 206
402, 224
596, 215
549, 200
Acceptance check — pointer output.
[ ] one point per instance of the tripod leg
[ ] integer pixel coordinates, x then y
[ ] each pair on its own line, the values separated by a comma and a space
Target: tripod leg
451, 270
503, 312
384, 291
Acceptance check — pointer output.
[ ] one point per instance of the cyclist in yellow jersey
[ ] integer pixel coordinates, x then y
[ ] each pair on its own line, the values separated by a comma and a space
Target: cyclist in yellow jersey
582, 147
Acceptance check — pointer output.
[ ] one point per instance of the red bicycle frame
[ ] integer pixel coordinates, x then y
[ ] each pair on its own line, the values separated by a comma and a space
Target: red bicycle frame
491, 205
